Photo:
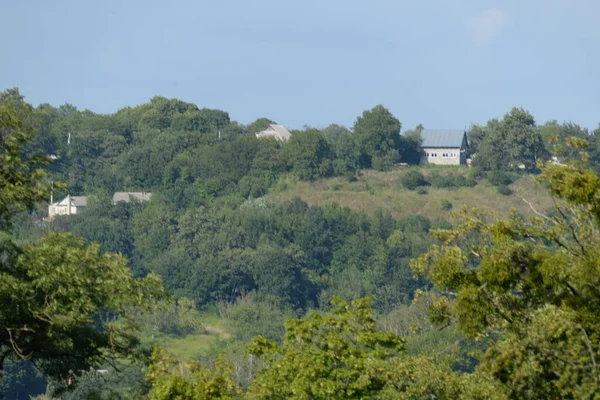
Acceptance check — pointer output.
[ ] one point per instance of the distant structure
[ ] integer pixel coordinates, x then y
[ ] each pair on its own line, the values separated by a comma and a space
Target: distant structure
444, 147
70, 205
279, 132
126, 197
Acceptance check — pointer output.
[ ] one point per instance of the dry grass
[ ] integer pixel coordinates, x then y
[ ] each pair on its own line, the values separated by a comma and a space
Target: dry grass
383, 190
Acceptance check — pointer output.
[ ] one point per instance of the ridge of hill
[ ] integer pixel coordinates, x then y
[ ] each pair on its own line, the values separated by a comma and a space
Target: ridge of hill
383, 190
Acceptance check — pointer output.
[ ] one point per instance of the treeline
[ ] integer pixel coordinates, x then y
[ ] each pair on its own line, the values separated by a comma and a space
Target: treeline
192, 155
294, 255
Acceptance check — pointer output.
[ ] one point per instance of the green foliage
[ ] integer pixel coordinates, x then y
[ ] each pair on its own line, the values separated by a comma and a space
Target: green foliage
450, 181
535, 282
413, 179
445, 205
508, 143
21, 175
337, 355
504, 190
500, 177
259, 125
248, 317
53, 290
309, 155
58, 297
190, 380
171, 317
377, 136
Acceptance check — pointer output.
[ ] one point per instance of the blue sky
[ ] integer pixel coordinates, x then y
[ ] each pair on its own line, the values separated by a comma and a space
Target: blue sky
445, 64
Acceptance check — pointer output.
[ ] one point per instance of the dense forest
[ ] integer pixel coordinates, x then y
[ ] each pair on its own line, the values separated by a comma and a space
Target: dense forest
287, 299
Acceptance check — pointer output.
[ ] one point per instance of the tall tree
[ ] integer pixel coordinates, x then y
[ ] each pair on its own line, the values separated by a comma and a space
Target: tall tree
535, 282
52, 293
377, 134
509, 143
309, 155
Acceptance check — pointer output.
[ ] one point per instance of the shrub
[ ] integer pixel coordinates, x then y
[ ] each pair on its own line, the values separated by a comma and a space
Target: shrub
413, 179
450, 181
504, 190
351, 177
500, 177
421, 190
335, 186
445, 205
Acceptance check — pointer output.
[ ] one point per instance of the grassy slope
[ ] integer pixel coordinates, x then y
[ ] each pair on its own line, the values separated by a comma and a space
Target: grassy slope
383, 190
192, 346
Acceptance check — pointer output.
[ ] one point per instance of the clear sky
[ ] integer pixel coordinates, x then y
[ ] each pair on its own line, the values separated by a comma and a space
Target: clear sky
445, 64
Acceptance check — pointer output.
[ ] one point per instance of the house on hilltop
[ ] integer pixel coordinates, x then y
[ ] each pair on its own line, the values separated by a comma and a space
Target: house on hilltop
279, 132
126, 197
444, 147
70, 205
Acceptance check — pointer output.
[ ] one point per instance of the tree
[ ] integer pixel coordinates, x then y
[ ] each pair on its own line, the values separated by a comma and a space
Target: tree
259, 125
190, 380
21, 176
326, 356
534, 282
377, 134
58, 297
342, 355
309, 155
412, 146
508, 143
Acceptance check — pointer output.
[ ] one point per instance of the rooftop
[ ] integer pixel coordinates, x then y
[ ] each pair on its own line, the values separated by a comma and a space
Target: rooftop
129, 196
442, 138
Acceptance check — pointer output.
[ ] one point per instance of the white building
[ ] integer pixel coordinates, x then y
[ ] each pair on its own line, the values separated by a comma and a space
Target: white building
444, 147
70, 205
279, 132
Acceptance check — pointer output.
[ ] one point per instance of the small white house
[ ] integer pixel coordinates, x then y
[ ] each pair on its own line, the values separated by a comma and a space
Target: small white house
70, 205
444, 147
279, 132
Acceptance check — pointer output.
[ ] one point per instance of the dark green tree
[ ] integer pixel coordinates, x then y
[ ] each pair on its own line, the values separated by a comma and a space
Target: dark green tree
309, 155
377, 135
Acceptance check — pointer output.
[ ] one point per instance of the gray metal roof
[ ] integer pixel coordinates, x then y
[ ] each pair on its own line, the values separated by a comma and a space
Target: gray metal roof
129, 196
76, 201
442, 138
79, 201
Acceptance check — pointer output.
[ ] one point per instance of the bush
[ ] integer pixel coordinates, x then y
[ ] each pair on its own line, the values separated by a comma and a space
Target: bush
421, 190
504, 190
445, 205
450, 181
476, 173
413, 179
500, 178
351, 177
335, 186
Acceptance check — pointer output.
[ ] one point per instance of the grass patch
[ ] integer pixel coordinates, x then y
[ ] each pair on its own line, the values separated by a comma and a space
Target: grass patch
383, 190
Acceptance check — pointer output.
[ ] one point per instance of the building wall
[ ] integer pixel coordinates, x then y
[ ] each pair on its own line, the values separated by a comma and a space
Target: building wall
54, 210
443, 156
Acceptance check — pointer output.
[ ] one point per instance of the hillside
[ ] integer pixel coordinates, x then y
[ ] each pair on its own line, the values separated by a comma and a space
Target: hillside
383, 190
